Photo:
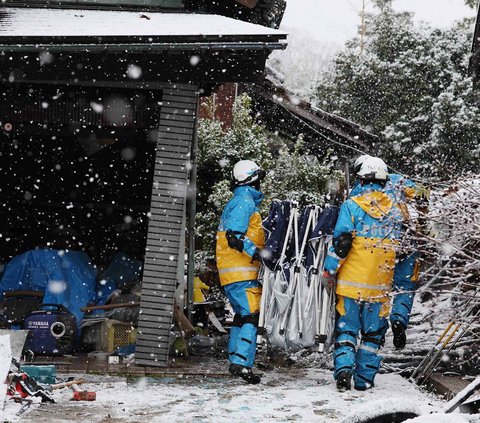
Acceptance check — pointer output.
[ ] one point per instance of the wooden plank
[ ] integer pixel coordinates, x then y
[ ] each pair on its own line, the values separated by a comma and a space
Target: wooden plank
151, 357
170, 252
180, 95
176, 176
149, 362
158, 316
177, 103
163, 264
155, 294
177, 117
178, 111
167, 136
162, 236
181, 162
163, 322
160, 331
178, 123
161, 340
162, 261
159, 257
154, 283
176, 195
154, 274
167, 166
176, 128
174, 155
163, 248
173, 192
153, 354
184, 91
151, 301
159, 285
159, 345
159, 209
160, 281
166, 204
168, 186
174, 220
173, 147
162, 208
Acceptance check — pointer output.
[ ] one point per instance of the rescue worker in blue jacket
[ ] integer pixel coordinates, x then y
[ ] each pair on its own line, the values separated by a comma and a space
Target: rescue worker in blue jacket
240, 239
405, 280
363, 258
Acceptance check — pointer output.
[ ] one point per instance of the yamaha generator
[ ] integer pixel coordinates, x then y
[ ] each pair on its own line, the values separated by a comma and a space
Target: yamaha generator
53, 330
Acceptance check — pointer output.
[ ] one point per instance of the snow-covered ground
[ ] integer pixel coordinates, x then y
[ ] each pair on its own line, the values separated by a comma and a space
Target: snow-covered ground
304, 392
307, 395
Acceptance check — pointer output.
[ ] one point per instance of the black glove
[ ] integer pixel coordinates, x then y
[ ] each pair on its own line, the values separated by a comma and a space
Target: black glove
233, 241
257, 255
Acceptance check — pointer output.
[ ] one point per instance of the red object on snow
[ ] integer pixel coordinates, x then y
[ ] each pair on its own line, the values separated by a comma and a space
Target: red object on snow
84, 396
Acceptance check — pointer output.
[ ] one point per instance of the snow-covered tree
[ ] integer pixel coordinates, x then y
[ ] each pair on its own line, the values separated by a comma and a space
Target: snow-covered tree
218, 151
472, 3
411, 87
292, 172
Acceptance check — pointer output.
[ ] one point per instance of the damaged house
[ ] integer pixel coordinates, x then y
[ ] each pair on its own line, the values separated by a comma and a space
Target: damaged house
98, 137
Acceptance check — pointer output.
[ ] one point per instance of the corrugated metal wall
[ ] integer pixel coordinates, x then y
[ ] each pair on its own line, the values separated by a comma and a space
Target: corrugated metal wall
166, 225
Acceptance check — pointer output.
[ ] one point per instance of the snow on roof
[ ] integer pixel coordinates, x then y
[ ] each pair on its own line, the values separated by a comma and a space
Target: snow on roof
94, 23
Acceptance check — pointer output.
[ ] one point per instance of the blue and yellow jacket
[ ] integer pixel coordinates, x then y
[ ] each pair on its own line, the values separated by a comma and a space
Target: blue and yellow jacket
400, 189
242, 216
374, 221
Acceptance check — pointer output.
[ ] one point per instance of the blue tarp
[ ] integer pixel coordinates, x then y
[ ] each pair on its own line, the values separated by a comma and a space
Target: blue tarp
121, 271
66, 277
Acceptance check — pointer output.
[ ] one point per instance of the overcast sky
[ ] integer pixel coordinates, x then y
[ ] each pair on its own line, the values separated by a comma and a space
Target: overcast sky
335, 21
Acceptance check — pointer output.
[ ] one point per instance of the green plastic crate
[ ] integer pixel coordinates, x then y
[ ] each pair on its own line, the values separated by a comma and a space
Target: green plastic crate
41, 374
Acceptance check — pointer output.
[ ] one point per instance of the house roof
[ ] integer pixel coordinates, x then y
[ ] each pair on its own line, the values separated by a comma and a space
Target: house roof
97, 45
283, 111
18, 25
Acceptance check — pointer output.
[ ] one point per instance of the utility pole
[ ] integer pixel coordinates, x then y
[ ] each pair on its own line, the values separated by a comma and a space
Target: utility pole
362, 28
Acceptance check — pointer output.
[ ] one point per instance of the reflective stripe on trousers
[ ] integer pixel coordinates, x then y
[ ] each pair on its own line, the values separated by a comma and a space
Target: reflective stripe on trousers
238, 269
363, 285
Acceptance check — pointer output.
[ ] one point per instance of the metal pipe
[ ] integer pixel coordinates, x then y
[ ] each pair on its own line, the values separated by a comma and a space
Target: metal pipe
192, 211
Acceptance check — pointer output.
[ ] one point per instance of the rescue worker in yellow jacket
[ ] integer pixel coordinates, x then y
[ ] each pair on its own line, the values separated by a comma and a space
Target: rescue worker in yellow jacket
240, 239
363, 258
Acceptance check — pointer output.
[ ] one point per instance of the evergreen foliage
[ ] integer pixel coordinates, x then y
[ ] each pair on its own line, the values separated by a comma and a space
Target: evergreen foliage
411, 87
292, 172
472, 3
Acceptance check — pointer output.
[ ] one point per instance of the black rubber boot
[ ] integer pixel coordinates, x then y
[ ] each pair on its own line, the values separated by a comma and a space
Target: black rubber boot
245, 373
399, 336
364, 387
344, 381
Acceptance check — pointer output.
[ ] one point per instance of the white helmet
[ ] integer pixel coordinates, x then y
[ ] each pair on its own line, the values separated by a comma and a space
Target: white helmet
359, 161
373, 169
245, 172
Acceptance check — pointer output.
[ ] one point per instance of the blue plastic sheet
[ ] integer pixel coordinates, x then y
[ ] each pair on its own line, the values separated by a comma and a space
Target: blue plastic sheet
119, 273
66, 277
